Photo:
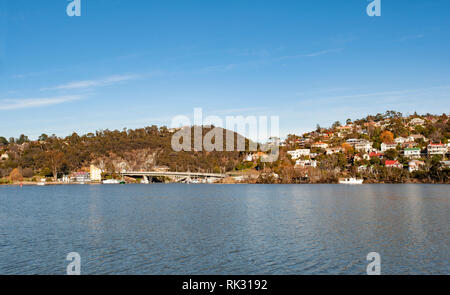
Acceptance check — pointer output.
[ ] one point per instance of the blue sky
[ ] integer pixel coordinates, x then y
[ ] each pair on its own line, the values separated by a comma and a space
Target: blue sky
138, 63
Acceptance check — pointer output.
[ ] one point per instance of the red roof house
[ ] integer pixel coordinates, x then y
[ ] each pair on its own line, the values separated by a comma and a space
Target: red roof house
393, 164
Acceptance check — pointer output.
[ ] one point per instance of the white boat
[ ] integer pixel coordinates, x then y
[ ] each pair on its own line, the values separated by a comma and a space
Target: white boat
351, 181
41, 183
111, 181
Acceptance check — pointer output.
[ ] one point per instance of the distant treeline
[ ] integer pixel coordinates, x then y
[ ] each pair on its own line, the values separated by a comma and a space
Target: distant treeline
52, 155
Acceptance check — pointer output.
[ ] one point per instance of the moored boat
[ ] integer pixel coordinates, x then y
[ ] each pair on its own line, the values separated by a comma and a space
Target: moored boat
351, 181
111, 181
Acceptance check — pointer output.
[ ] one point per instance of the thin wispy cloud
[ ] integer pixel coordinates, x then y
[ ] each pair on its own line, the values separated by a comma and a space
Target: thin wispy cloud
343, 38
92, 83
263, 60
411, 37
27, 75
219, 68
313, 54
422, 93
14, 104
324, 52
323, 90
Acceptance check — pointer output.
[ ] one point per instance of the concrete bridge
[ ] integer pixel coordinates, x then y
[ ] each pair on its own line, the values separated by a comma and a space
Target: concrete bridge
176, 176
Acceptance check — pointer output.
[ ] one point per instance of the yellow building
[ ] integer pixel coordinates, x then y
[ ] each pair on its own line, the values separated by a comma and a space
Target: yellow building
95, 173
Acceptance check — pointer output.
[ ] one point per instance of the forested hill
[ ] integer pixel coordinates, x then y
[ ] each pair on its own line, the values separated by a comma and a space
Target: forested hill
113, 151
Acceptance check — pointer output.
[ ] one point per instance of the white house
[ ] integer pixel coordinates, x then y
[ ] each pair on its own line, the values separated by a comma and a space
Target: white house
400, 140
298, 153
416, 121
305, 163
4, 156
353, 141
334, 150
413, 137
320, 144
437, 149
412, 153
415, 165
388, 146
363, 146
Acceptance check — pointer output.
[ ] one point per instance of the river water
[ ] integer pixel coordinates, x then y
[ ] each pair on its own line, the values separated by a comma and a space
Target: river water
225, 229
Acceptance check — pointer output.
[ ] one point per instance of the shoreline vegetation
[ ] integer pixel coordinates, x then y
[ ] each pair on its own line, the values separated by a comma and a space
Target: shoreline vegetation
381, 148
28, 184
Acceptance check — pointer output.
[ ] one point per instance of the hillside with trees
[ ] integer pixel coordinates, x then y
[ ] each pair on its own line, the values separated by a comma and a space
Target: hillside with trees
112, 151
381, 148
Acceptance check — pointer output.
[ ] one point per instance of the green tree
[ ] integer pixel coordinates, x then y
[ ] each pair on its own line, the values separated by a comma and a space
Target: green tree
22, 139
336, 124
391, 154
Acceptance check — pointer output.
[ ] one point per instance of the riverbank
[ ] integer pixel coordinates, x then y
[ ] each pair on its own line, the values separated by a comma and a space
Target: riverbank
228, 182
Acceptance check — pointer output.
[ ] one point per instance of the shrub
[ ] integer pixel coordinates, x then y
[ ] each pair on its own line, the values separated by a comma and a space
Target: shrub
27, 172
16, 175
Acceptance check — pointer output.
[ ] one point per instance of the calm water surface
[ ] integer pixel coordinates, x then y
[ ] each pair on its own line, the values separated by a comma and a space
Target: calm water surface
225, 229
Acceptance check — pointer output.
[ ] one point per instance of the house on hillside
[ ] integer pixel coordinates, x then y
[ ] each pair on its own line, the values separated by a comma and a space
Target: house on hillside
305, 163
80, 177
410, 144
414, 137
411, 152
393, 164
298, 153
333, 150
416, 121
371, 124
320, 144
415, 165
353, 141
437, 149
388, 146
346, 128
400, 140
363, 145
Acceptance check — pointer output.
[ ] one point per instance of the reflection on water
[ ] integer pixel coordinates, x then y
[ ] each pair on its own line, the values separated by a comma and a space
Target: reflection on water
225, 229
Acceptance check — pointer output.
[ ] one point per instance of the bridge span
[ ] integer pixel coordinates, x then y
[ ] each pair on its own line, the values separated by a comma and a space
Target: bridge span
178, 176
